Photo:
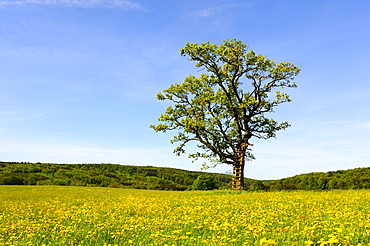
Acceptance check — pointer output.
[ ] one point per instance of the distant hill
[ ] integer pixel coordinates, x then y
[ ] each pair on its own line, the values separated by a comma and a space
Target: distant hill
105, 175
358, 178
162, 178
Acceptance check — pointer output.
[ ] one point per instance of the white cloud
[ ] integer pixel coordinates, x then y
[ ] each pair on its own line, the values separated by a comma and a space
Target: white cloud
60, 152
122, 4
213, 10
208, 12
56, 150
364, 126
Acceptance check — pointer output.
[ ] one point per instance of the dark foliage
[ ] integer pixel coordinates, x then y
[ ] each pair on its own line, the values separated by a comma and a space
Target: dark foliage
204, 182
257, 186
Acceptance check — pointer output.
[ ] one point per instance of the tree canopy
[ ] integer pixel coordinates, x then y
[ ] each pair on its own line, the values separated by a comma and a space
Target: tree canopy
219, 109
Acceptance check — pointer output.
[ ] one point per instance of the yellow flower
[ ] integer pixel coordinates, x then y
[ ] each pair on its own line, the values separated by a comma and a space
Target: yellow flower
308, 242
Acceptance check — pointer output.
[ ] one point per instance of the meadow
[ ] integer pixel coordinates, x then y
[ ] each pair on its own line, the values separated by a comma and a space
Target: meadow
55, 215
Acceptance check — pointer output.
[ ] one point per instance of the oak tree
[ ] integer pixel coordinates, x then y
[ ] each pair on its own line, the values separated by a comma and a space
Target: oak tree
227, 105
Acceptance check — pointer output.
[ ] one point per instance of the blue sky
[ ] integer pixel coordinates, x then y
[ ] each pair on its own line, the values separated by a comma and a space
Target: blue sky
78, 79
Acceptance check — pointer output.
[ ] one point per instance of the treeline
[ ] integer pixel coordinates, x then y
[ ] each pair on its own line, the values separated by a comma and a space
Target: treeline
105, 175
161, 178
358, 178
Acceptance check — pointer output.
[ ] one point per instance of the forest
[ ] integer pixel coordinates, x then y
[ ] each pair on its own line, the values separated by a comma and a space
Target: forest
162, 178
358, 178
105, 175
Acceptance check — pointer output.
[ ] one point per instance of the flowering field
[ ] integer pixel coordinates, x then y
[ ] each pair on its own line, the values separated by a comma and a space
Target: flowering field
47, 215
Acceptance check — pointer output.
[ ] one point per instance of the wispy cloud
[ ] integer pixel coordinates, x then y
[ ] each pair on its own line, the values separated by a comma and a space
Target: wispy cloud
24, 115
208, 12
122, 4
364, 126
58, 150
214, 10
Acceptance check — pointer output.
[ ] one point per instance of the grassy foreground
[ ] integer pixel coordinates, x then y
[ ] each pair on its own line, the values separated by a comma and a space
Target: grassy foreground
48, 215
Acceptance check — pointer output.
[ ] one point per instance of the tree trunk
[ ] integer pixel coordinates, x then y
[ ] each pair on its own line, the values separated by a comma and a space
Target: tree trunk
237, 181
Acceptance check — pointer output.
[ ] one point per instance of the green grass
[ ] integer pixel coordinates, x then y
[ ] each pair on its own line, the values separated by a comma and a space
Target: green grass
54, 215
